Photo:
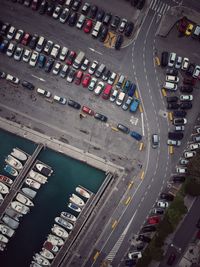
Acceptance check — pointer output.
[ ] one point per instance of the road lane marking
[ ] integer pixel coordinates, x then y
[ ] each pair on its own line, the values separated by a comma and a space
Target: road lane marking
41, 79
95, 51
114, 224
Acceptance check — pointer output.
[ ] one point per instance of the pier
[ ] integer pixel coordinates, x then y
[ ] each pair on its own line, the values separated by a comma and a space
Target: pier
20, 179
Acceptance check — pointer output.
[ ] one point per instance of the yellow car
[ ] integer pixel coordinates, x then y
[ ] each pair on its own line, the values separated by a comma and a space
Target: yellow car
189, 29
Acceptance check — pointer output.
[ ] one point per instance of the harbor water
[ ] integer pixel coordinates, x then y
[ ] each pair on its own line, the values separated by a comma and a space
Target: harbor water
51, 199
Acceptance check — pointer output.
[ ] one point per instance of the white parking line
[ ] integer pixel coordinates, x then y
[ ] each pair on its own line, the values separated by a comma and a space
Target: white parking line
142, 118
41, 79
95, 51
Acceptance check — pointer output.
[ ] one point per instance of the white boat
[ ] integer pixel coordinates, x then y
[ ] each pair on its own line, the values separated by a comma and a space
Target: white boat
29, 192
41, 260
47, 254
6, 230
24, 200
37, 177
3, 239
59, 231
10, 222
82, 192
6, 180
32, 183
74, 207
18, 154
13, 162
3, 188
68, 216
64, 223
35, 264
43, 169
19, 207
11, 170
50, 247
77, 200
55, 240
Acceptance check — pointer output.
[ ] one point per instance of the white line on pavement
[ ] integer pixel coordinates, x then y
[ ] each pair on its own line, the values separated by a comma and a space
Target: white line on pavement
95, 51
142, 118
41, 79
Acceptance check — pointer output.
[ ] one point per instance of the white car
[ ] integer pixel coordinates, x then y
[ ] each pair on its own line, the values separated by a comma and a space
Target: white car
92, 84
198, 130
11, 49
186, 97
181, 170
112, 78
135, 255
57, 68
196, 72
43, 92
122, 25
189, 154
64, 16
34, 58
11, 33
48, 47
55, 50
185, 63
99, 88
61, 100
18, 53
120, 98
172, 59
57, 12
172, 79
173, 142
113, 95
127, 103
162, 204
179, 128
12, 79
63, 53
26, 55
85, 64
19, 35
183, 161
194, 146
80, 21
93, 67
178, 63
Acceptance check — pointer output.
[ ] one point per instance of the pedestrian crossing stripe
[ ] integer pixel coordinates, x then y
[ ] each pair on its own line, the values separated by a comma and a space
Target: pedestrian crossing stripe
159, 6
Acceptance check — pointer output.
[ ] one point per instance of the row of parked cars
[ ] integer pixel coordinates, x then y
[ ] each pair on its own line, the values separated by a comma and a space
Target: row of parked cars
46, 52
62, 100
188, 28
90, 18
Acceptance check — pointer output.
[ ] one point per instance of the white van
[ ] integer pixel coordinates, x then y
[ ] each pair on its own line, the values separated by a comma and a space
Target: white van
40, 44
79, 60
43, 92
170, 86
96, 29
171, 78
80, 21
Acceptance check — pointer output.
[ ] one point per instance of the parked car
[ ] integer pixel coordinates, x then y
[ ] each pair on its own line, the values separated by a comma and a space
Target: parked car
158, 211
153, 220
167, 196
85, 64
73, 104
135, 104
178, 62
179, 113
136, 135
186, 97
99, 88
71, 57
26, 39
171, 99
34, 58
64, 71
189, 81
175, 135
19, 35
194, 146
143, 238
190, 69
189, 29
100, 15
103, 34
112, 78
185, 63
72, 19
100, 117
162, 204
171, 259
148, 228
86, 80
164, 58
189, 154
179, 128
186, 89
171, 142
87, 110
178, 179
122, 25
120, 98
172, 71
172, 105
186, 105
155, 140
129, 29
127, 103
57, 68
92, 84
123, 128
179, 121
113, 95
48, 47
85, 9
33, 41
78, 77
11, 49
11, 32
76, 5
18, 53
12, 79
49, 64
181, 170
88, 26
71, 75
196, 72
64, 15
107, 19
172, 59
27, 55
135, 255
93, 67
115, 23
93, 11
28, 85
183, 161
119, 41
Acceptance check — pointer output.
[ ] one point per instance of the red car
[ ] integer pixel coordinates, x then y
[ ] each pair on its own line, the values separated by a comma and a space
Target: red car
88, 26
71, 57
26, 39
87, 110
153, 220
78, 77
86, 80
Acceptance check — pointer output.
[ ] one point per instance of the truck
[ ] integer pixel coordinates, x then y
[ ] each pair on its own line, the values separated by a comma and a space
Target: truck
79, 60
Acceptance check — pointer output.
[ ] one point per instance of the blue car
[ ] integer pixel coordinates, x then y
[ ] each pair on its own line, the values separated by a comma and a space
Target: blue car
136, 135
132, 90
41, 61
4, 45
135, 104
126, 86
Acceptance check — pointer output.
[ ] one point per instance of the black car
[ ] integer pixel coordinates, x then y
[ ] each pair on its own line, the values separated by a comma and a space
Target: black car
171, 99
186, 89
4, 28
140, 246
50, 9
106, 75
73, 104
141, 4
143, 238
130, 262
189, 81
172, 106
123, 128
158, 211
178, 179
100, 117
175, 135
179, 113
167, 196
76, 5
107, 18
164, 58
190, 69
85, 8
115, 23
49, 64
129, 29
186, 105
2, 74
119, 41
93, 12
100, 15
43, 7
103, 34
173, 72
28, 85
148, 228
33, 41
72, 19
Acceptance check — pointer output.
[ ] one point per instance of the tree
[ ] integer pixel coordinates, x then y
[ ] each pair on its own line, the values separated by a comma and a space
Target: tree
176, 210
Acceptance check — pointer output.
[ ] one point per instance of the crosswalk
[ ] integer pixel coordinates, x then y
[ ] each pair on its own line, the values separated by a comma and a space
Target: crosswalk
159, 7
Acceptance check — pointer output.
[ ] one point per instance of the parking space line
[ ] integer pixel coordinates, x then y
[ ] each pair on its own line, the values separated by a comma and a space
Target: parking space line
114, 224
142, 119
